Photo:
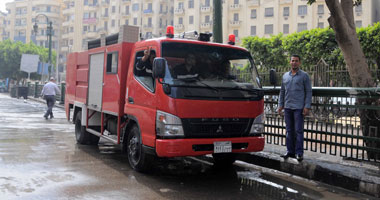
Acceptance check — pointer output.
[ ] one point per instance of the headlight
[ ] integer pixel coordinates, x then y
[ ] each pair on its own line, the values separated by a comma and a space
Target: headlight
168, 125
258, 124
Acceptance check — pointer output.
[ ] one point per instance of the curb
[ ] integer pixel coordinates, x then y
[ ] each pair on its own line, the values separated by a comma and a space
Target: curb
356, 179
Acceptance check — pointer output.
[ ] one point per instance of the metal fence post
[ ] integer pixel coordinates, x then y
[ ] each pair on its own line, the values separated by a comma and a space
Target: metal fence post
36, 90
62, 99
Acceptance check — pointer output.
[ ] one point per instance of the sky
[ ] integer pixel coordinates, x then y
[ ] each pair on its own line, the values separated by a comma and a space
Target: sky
2, 4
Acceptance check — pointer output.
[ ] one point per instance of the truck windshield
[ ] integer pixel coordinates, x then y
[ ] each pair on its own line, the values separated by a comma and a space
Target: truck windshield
194, 69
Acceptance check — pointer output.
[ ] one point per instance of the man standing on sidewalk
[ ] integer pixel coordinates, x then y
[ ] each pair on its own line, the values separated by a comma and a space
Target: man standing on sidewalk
48, 92
295, 97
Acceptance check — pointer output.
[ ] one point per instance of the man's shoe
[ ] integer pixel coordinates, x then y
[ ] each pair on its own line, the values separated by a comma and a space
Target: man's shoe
51, 117
45, 117
299, 157
287, 155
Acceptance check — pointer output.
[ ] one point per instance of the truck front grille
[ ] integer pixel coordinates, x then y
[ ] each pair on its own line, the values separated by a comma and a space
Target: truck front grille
216, 127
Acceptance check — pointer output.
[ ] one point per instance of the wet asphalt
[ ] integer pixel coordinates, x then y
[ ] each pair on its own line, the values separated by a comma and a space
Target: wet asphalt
39, 159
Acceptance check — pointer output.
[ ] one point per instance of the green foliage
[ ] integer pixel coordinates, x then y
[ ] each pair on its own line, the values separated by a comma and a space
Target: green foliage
10, 58
312, 45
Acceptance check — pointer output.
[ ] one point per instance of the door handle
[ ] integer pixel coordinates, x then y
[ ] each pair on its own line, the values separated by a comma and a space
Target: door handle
130, 100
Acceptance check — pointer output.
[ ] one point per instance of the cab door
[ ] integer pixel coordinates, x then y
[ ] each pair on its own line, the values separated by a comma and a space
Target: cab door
141, 99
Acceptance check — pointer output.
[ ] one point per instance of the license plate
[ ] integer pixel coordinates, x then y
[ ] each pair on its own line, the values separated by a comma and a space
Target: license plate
222, 147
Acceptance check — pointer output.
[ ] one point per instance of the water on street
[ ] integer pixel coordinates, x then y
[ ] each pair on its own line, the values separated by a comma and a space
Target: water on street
39, 159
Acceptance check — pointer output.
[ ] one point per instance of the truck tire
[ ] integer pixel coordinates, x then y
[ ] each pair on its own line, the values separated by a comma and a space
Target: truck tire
81, 135
138, 159
224, 159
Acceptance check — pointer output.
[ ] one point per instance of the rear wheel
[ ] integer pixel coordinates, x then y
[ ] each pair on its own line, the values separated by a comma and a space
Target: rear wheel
138, 159
81, 135
224, 159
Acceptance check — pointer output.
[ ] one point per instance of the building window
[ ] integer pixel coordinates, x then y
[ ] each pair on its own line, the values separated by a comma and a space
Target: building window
135, 7
180, 5
191, 19
269, 12
285, 28
105, 25
207, 3
127, 10
236, 33
180, 20
253, 14
150, 6
84, 28
268, 29
150, 22
207, 18
106, 12
236, 2
113, 23
286, 12
126, 22
301, 27
236, 17
253, 30
302, 10
113, 9
321, 25
359, 8
85, 2
135, 21
321, 10
191, 3
358, 24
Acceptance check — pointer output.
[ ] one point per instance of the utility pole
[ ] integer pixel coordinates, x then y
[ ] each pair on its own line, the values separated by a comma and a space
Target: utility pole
49, 33
217, 26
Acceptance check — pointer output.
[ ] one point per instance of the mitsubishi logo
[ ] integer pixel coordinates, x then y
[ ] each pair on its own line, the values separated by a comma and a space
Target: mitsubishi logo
219, 130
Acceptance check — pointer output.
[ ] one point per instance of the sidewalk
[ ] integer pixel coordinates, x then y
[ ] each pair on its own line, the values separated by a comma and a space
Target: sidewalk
333, 170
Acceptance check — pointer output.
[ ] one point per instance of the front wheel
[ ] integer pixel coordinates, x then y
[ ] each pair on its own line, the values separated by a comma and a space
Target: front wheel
138, 159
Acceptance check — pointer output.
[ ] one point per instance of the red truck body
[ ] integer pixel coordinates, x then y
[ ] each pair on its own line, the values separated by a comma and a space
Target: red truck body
105, 98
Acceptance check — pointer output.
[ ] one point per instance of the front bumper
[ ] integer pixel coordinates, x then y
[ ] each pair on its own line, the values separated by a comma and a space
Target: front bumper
196, 147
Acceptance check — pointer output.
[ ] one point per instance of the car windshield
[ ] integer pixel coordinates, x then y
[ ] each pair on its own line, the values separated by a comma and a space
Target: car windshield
196, 64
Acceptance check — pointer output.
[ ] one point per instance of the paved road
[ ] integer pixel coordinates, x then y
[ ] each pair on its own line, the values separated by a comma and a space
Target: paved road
39, 159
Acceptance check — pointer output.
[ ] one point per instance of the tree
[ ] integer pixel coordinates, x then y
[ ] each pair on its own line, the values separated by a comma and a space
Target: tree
343, 24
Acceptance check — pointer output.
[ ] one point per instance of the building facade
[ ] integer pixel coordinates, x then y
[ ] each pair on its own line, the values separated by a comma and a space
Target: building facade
3, 26
264, 17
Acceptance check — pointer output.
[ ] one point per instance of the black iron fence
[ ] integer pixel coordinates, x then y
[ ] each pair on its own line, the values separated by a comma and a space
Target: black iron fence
34, 90
343, 121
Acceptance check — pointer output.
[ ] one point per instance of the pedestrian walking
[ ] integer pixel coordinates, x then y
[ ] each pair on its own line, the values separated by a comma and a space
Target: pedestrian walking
295, 100
49, 91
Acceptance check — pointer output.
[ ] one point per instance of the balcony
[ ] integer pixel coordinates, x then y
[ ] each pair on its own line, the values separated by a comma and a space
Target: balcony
89, 21
253, 2
148, 12
104, 16
126, 1
125, 14
179, 11
91, 34
205, 9
179, 27
206, 25
67, 11
235, 23
235, 6
286, 1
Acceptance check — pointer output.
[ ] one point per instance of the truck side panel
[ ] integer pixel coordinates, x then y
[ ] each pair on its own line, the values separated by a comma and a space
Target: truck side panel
82, 77
71, 77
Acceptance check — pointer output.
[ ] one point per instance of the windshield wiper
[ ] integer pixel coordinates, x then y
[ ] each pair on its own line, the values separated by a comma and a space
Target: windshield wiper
191, 78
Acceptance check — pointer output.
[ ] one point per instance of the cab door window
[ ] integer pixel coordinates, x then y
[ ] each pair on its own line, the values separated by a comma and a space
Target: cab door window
143, 70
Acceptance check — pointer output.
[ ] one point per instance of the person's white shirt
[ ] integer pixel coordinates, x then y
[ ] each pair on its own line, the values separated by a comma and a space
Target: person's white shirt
50, 88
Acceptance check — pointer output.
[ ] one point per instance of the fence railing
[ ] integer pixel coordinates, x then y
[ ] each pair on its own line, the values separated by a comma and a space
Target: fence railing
34, 90
343, 121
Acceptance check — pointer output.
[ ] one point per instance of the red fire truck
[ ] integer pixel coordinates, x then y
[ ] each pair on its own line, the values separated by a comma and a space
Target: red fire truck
161, 113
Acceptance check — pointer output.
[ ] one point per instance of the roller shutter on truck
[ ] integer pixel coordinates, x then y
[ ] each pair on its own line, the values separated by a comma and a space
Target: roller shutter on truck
95, 84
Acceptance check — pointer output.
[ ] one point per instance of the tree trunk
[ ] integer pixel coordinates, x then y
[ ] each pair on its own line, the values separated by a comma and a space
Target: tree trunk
342, 21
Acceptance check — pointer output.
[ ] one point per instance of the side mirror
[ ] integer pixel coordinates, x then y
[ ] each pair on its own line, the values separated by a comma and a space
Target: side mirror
159, 65
273, 77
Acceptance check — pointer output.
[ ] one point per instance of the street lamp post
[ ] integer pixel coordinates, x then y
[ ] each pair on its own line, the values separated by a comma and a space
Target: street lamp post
49, 34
